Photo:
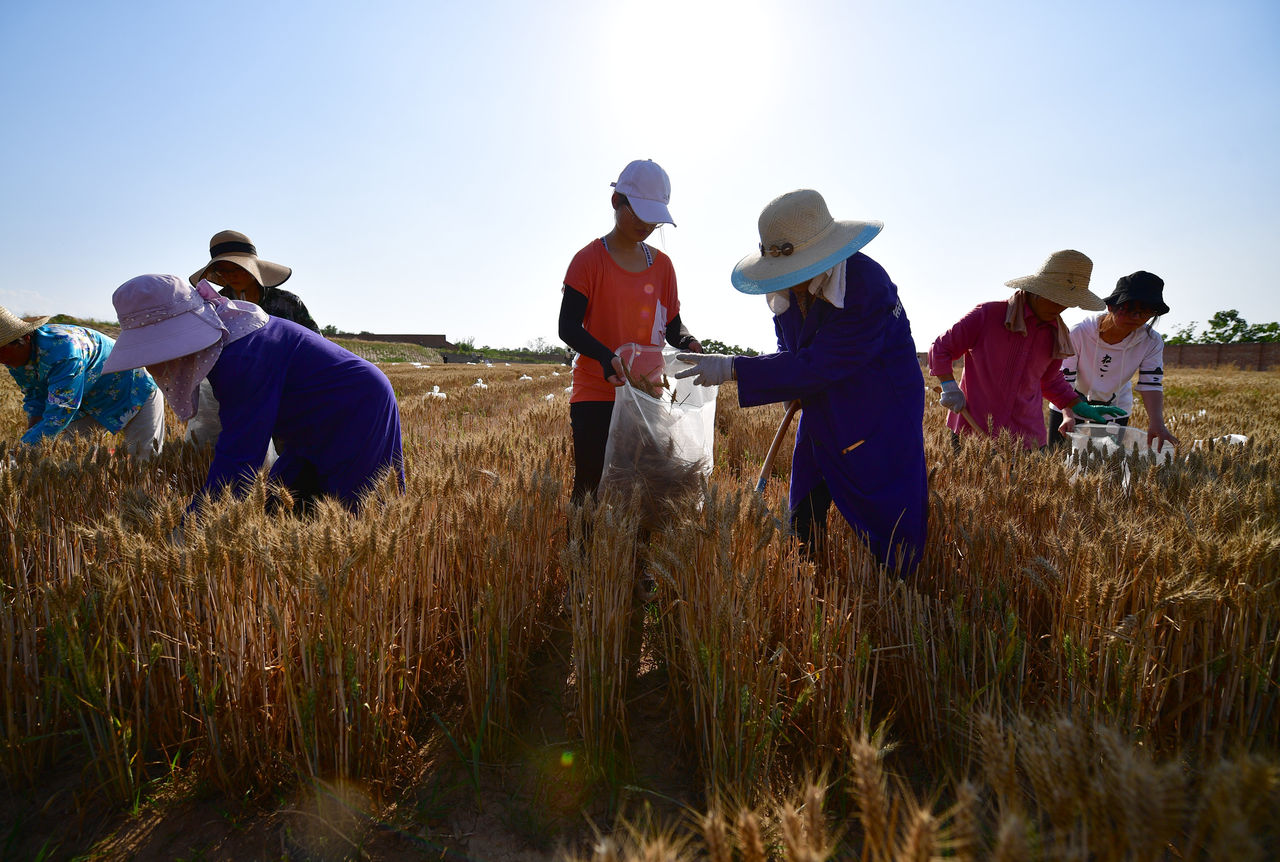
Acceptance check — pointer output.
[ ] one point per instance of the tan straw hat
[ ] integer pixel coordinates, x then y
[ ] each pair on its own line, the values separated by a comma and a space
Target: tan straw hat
13, 327
798, 240
233, 246
1064, 279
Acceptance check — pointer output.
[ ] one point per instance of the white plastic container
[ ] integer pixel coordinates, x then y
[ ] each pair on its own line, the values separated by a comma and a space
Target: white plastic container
1112, 438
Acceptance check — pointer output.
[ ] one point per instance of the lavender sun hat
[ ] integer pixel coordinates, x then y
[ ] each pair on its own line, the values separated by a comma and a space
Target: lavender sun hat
161, 318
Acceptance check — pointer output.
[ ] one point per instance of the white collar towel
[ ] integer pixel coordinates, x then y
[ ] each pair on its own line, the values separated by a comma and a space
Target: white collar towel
829, 285
1015, 320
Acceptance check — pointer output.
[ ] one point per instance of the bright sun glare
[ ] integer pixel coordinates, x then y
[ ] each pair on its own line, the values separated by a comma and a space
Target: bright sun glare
709, 63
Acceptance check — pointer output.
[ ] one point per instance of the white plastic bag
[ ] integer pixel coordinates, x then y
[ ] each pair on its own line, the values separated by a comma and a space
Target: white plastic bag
653, 439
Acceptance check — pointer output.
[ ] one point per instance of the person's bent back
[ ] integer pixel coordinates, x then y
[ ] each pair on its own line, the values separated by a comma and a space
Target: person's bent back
333, 415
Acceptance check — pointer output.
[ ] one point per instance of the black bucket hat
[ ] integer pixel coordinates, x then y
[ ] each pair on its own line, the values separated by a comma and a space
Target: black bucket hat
1142, 287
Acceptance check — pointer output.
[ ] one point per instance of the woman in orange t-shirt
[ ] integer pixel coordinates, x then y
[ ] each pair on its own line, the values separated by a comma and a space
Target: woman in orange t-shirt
618, 290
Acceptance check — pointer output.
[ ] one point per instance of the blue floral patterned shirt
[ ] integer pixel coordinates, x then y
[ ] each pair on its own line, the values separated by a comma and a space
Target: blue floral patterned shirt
63, 381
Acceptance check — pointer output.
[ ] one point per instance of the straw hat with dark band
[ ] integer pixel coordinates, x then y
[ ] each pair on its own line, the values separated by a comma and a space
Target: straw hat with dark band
798, 240
13, 327
1064, 279
235, 247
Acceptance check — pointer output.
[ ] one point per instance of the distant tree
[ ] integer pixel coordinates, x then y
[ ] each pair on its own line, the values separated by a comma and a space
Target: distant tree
1264, 332
329, 331
465, 344
713, 346
1227, 327
542, 345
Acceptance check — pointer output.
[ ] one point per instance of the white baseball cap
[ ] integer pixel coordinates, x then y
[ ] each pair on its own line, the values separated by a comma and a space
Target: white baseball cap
648, 190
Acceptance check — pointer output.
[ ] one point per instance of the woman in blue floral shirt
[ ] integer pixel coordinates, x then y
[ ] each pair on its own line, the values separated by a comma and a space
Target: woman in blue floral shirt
59, 369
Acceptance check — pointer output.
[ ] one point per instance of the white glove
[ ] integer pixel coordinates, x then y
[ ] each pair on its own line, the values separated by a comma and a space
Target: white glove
709, 369
952, 398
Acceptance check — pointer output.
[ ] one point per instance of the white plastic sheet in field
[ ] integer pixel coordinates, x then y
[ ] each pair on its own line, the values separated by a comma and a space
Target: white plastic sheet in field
1224, 440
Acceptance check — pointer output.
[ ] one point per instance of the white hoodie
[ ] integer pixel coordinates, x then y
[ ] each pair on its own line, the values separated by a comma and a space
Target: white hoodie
1101, 371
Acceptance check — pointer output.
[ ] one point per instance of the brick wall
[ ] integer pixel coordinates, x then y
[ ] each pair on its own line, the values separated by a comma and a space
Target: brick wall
1261, 356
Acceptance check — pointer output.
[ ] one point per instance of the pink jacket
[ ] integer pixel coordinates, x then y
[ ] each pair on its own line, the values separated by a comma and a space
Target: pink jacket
1006, 374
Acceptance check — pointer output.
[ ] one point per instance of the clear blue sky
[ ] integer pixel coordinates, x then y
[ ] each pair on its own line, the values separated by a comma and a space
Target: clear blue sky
432, 167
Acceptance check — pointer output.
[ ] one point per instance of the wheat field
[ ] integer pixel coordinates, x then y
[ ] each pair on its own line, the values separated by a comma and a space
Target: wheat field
1086, 665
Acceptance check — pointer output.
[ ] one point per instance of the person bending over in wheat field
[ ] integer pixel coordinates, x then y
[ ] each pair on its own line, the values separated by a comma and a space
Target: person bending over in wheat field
333, 415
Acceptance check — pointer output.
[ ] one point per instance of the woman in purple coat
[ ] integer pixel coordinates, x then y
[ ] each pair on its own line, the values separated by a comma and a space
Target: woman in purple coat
333, 415
845, 352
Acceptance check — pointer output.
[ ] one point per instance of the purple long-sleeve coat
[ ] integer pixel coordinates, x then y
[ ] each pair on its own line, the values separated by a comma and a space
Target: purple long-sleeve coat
856, 374
326, 408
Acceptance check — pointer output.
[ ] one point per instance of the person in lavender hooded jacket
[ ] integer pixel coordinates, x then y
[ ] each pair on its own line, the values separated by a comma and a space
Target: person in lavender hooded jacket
332, 414
845, 353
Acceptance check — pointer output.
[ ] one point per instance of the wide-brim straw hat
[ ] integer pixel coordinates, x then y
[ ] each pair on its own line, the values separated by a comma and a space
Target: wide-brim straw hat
161, 318
13, 327
233, 246
798, 240
1064, 279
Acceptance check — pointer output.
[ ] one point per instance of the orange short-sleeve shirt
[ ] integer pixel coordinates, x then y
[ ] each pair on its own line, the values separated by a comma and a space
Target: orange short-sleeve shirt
622, 308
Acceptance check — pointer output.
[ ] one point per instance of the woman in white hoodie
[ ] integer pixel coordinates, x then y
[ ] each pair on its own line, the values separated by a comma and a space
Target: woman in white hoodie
1114, 346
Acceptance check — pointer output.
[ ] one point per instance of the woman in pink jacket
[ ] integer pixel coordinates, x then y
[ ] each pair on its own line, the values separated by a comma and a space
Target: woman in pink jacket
1013, 351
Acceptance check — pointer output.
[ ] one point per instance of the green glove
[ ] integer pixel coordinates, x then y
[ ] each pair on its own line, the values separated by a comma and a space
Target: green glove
1095, 412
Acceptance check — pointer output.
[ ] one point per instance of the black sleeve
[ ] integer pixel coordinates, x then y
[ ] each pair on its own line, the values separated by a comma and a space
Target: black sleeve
677, 336
304, 318
573, 310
